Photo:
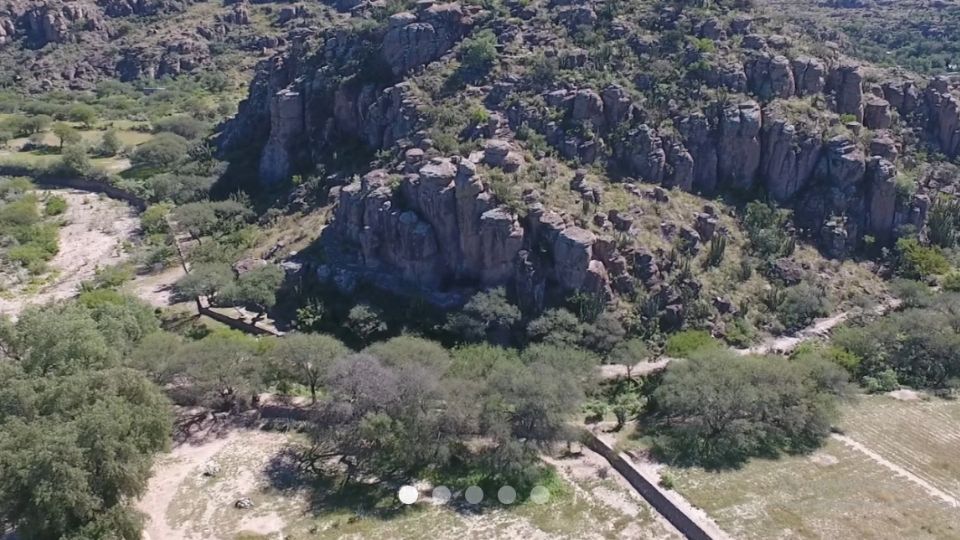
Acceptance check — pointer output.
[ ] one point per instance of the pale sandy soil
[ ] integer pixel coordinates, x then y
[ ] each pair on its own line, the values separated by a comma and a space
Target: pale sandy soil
93, 235
157, 289
169, 472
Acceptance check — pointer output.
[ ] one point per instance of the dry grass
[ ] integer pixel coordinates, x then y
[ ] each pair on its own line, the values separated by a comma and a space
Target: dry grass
921, 436
837, 492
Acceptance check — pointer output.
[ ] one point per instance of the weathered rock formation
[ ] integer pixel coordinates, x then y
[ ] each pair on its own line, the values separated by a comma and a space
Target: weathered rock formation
286, 126
413, 40
440, 226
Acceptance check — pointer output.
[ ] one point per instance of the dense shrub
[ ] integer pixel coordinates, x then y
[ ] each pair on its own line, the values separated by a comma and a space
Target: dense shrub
721, 409
161, 152
919, 344
184, 126
916, 261
800, 305
687, 343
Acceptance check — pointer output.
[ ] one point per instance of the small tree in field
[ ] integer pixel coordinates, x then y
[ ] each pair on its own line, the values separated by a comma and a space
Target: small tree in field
66, 134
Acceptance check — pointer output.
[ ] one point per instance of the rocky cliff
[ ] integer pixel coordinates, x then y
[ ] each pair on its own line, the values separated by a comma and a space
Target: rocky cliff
755, 116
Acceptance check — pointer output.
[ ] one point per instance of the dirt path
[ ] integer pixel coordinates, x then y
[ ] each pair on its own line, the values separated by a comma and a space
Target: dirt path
932, 490
93, 235
157, 289
820, 328
774, 345
169, 472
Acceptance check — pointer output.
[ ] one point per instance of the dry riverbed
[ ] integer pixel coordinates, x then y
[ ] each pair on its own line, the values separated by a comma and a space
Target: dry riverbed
93, 236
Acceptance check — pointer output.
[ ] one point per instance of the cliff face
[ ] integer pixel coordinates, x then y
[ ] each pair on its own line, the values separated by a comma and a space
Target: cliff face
822, 136
438, 225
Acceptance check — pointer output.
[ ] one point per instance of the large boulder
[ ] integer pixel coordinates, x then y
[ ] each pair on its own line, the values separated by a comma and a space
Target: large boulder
847, 86
770, 76
572, 253
809, 75
876, 113
842, 164
698, 138
944, 112
643, 155
883, 198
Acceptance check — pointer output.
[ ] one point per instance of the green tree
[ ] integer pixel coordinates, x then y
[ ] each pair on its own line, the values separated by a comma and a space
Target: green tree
488, 315
306, 359
916, 261
60, 339
111, 144
74, 160
257, 288
721, 409
204, 279
801, 304
558, 327
184, 126
163, 151
365, 323
153, 220
66, 134
84, 114
75, 450
479, 52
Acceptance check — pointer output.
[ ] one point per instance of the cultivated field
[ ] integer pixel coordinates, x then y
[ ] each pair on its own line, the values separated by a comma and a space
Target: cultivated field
184, 503
838, 492
920, 435
894, 473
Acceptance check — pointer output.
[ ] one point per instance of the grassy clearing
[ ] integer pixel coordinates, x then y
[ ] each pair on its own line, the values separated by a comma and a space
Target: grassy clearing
837, 492
921, 436
585, 506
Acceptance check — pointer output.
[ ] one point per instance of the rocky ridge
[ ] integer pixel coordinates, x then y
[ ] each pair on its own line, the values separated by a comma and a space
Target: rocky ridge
790, 125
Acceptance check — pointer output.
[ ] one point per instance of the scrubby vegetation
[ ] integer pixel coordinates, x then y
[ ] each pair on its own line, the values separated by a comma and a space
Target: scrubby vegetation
29, 226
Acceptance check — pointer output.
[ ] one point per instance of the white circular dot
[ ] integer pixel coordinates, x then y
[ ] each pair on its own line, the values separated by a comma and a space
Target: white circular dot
408, 494
540, 495
507, 495
473, 494
441, 494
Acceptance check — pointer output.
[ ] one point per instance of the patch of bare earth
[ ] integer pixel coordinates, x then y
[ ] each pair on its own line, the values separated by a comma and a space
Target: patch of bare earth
95, 229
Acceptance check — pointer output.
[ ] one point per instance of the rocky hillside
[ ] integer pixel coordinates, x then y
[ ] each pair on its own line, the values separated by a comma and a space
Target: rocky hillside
502, 131
49, 44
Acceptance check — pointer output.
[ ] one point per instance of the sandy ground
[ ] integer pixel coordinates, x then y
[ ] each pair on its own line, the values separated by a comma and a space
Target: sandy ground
169, 472
157, 289
94, 231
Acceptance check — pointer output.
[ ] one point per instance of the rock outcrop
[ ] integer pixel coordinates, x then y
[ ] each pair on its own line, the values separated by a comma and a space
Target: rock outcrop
738, 148
789, 155
286, 126
440, 226
413, 40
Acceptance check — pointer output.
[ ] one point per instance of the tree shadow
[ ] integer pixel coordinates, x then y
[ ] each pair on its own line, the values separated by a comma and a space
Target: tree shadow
327, 493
